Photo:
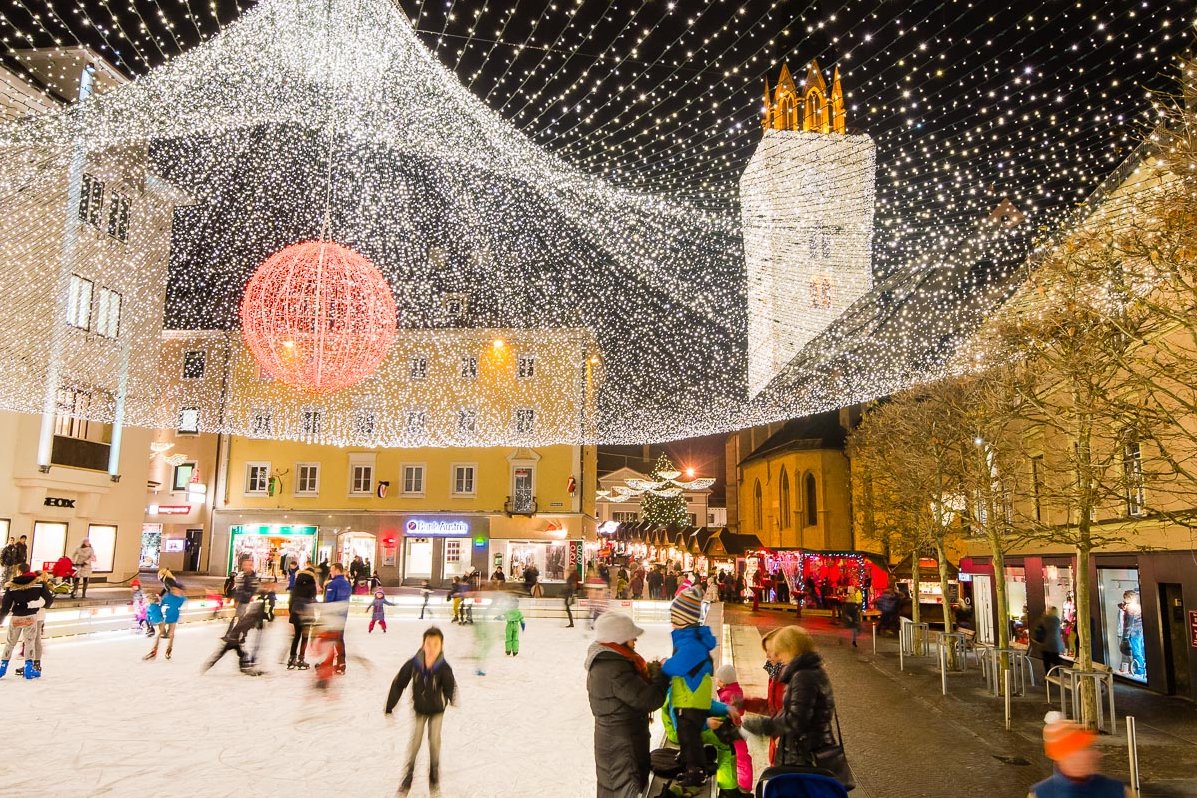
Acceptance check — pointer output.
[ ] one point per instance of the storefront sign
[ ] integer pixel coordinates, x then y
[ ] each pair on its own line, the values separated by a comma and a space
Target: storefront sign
173, 509
575, 557
428, 527
1193, 628
55, 501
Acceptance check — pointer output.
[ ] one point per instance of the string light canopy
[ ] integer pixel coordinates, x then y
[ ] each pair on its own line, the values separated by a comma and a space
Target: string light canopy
576, 165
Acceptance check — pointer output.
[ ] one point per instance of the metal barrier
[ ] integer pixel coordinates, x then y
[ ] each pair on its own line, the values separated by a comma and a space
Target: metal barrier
912, 640
1019, 666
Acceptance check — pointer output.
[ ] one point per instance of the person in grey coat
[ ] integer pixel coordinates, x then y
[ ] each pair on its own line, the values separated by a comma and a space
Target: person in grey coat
1047, 634
623, 690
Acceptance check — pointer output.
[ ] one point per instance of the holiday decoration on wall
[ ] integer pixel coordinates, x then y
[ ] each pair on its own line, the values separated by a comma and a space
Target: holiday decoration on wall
318, 316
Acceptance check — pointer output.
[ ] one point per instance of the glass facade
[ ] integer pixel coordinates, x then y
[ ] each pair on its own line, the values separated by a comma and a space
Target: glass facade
1059, 592
1122, 621
1016, 598
417, 558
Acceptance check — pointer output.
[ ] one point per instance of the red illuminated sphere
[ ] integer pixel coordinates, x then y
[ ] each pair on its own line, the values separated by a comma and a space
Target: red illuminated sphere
318, 316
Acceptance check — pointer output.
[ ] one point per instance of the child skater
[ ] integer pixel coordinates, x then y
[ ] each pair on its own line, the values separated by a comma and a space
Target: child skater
433, 688
378, 610
515, 625
727, 683
157, 621
139, 608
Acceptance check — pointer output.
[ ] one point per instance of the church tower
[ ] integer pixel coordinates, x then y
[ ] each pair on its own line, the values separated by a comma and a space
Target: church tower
806, 201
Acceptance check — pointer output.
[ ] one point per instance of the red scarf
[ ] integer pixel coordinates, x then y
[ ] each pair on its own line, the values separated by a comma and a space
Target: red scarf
637, 660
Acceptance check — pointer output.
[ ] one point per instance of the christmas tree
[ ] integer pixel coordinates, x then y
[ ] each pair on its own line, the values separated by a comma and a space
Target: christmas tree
664, 510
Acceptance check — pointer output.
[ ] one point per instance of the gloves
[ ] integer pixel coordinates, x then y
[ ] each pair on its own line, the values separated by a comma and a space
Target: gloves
754, 725
523, 626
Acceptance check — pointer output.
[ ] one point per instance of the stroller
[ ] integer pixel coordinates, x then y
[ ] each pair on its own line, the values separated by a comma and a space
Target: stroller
63, 573
799, 782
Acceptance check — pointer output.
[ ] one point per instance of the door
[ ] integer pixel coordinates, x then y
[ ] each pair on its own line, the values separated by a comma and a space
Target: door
191, 552
1176, 641
983, 608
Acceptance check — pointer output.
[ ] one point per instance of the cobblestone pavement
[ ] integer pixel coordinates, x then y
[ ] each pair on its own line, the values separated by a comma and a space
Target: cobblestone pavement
906, 740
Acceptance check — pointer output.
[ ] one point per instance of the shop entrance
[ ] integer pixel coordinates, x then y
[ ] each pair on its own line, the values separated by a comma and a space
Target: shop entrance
983, 608
266, 543
191, 556
1176, 640
356, 544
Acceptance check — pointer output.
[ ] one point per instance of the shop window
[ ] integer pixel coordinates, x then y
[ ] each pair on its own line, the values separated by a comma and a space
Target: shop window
469, 368
193, 364
417, 558
463, 480
1016, 599
108, 313
79, 302
784, 498
151, 547
189, 420
758, 508
307, 479
181, 477
418, 367
526, 367
1122, 621
1132, 468
311, 421
91, 200
812, 501
49, 543
1059, 592
413, 480
257, 478
103, 539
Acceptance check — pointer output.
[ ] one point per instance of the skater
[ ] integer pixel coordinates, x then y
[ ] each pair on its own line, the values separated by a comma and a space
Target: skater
139, 608
301, 613
24, 595
378, 610
433, 688
727, 685
83, 559
426, 593
455, 594
515, 625
244, 589
571, 589
234, 639
624, 691
484, 640
1070, 746
171, 605
157, 621
690, 669
336, 610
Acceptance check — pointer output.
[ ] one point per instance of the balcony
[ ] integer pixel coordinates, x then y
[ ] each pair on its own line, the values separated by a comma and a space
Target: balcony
79, 453
520, 505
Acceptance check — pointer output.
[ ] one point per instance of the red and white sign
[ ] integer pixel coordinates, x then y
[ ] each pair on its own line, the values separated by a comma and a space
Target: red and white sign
174, 509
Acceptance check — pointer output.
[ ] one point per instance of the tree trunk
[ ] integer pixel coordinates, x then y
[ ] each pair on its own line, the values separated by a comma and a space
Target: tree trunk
914, 598
1084, 643
948, 619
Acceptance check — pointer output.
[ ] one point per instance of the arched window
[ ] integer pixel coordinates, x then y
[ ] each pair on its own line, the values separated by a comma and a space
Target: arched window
758, 508
816, 112
812, 501
783, 492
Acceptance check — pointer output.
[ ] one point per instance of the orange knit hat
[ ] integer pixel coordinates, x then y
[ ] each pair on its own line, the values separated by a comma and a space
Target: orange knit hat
1062, 737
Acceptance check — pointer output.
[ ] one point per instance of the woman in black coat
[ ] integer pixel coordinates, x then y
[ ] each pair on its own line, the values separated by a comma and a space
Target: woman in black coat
804, 726
299, 612
623, 691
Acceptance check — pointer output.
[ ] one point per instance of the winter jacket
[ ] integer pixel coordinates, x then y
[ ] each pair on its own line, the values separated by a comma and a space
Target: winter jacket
432, 687
690, 667
171, 604
24, 595
725, 760
1053, 640
804, 723
154, 613
83, 558
245, 587
337, 589
621, 701
769, 705
378, 608
733, 695
1095, 786
303, 593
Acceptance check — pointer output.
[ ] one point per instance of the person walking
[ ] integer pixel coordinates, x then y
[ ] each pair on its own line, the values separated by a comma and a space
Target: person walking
804, 725
1048, 635
624, 691
1069, 746
654, 580
302, 615
24, 596
433, 689
853, 599
83, 559
571, 590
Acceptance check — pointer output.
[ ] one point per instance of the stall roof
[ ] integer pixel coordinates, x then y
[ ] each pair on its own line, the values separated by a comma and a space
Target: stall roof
731, 544
927, 566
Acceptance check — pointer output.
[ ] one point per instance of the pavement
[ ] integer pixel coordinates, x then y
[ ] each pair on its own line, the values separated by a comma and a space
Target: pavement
905, 739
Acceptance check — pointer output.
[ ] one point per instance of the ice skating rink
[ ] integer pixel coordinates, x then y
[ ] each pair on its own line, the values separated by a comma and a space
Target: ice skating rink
102, 722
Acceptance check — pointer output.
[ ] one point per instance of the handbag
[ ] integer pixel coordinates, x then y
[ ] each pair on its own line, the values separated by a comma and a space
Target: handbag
833, 759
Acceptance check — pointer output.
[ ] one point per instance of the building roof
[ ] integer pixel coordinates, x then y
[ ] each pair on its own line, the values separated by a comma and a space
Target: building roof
820, 431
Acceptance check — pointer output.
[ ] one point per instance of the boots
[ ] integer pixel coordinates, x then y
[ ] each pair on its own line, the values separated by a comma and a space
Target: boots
30, 671
405, 787
3, 668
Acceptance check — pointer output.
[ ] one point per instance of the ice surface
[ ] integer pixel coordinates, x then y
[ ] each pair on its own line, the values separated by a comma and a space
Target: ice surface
102, 722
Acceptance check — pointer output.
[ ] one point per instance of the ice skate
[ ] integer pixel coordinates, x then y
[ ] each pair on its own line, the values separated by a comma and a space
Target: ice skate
31, 672
168, 653
405, 785
302, 665
152, 655
434, 781
251, 670
291, 664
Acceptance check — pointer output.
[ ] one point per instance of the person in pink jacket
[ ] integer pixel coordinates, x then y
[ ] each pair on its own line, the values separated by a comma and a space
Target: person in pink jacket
727, 684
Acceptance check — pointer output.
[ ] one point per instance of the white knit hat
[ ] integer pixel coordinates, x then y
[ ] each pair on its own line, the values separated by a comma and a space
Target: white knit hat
727, 674
615, 627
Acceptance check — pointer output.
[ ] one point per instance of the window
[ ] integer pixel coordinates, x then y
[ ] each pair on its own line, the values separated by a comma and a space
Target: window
79, 302
193, 364
784, 499
364, 422
108, 313
188, 420
1037, 486
311, 421
418, 367
257, 478
118, 217
103, 539
467, 420
456, 305
526, 367
182, 477
525, 420
463, 480
758, 509
1122, 621
624, 517
71, 409
307, 479
453, 550
413, 480
469, 367
48, 544
259, 423
91, 200
361, 474
812, 501
1132, 468
414, 421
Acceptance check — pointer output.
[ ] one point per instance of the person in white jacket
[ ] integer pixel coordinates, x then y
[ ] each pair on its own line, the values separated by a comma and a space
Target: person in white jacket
83, 559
